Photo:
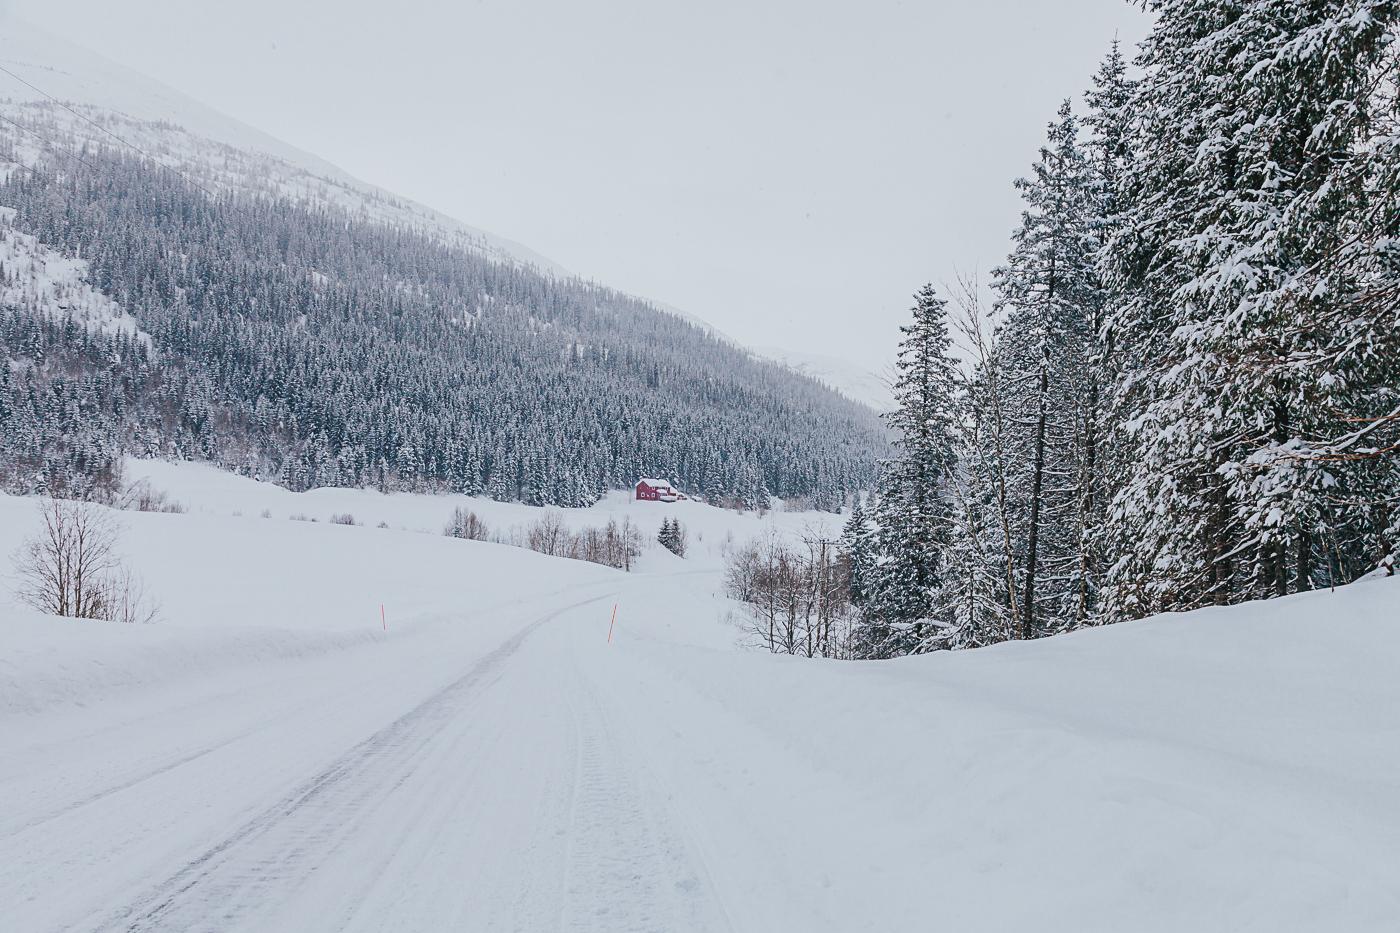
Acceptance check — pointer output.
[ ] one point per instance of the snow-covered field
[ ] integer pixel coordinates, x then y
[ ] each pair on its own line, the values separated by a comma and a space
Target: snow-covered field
269, 758
711, 532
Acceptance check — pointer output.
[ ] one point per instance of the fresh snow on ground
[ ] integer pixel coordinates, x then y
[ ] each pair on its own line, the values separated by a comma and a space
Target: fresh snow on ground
268, 758
711, 532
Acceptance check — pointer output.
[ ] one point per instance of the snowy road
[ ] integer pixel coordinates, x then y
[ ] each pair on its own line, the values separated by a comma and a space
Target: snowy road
504, 767
504, 799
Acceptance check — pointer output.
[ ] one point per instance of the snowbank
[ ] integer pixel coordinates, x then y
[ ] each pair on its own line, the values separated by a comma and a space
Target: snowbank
1227, 769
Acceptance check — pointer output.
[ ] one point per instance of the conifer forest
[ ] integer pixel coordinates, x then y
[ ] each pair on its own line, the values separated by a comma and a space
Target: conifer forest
1187, 390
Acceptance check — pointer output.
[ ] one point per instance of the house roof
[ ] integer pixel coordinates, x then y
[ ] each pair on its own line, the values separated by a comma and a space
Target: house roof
655, 483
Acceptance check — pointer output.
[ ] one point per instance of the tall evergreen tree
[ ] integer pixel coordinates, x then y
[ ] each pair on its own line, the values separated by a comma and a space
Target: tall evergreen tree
907, 611
858, 546
1108, 117
1238, 201
1051, 301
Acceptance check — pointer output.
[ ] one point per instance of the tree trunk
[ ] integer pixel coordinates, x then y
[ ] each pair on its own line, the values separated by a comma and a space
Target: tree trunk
1087, 503
1306, 541
1037, 480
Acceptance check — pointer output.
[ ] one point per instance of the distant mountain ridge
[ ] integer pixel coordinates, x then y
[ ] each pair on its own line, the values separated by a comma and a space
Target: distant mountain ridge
270, 313
179, 130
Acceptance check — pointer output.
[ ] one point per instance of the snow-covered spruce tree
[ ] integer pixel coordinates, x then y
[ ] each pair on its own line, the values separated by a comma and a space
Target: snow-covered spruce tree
672, 536
1109, 103
1233, 308
1051, 301
858, 548
1356, 336
906, 611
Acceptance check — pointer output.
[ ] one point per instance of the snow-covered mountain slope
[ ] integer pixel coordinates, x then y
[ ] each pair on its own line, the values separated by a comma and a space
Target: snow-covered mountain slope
270, 758
36, 276
137, 113
850, 379
855, 382
187, 135
553, 357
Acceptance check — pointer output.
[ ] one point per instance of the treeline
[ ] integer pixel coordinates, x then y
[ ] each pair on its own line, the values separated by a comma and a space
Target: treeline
1191, 394
305, 345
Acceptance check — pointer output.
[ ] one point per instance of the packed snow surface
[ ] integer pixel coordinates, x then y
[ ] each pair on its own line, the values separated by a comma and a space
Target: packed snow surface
269, 758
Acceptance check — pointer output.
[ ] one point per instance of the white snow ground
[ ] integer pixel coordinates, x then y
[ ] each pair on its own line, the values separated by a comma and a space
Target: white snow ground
266, 758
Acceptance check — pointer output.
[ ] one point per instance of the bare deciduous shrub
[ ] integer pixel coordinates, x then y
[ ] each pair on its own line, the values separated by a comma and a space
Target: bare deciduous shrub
344, 518
265, 513
798, 598
549, 536
141, 496
614, 545
125, 598
466, 524
72, 568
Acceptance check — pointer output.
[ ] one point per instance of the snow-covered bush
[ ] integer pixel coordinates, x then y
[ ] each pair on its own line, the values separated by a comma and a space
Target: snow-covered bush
616, 544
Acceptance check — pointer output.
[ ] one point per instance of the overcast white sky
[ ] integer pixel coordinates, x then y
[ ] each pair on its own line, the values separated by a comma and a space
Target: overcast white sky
788, 171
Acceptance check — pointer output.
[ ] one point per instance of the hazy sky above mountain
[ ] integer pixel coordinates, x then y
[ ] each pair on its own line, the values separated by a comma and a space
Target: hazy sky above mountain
788, 171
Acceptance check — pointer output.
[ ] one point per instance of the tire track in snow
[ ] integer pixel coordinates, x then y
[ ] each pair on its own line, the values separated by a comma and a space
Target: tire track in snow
130, 782
264, 859
628, 867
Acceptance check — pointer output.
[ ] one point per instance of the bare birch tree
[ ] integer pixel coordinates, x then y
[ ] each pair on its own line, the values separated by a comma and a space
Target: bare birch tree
72, 568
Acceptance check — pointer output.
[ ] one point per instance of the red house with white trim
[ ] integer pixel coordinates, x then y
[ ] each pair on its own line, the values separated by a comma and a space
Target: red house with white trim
657, 490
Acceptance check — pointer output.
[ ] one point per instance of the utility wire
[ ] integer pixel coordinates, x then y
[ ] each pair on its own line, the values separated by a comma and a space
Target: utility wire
121, 139
214, 195
49, 142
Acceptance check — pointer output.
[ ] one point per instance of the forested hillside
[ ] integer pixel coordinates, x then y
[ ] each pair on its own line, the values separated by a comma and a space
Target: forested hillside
302, 342
1190, 394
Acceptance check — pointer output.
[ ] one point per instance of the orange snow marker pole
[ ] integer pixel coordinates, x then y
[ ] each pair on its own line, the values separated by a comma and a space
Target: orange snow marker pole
383, 619
612, 623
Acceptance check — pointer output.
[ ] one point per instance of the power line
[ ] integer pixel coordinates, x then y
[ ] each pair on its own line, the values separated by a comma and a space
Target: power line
214, 195
121, 139
44, 139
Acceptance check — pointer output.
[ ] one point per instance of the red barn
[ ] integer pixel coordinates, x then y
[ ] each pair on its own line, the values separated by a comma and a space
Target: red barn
656, 490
